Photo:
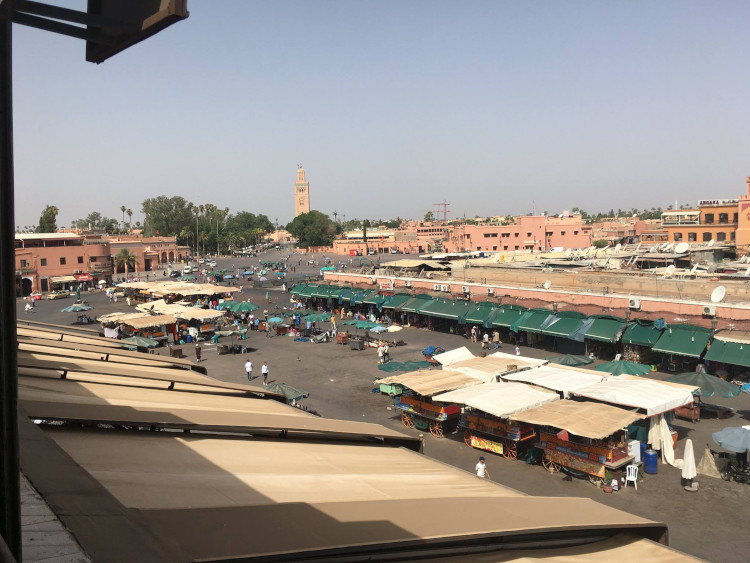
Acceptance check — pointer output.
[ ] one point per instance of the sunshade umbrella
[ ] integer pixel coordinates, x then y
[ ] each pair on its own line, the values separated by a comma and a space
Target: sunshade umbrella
735, 438
275, 320
378, 328
291, 393
141, 341
394, 328
242, 307
78, 308
571, 360
710, 385
619, 367
688, 463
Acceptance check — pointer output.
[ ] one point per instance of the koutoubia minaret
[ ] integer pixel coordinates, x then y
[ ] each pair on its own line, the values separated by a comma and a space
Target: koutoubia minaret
301, 193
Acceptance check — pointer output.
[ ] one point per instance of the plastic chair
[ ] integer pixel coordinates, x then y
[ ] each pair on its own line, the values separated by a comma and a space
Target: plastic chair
632, 475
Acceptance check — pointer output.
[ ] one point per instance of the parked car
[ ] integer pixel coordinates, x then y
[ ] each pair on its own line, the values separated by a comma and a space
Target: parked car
58, 294
175, 274
212, 264
35, 296
186, 270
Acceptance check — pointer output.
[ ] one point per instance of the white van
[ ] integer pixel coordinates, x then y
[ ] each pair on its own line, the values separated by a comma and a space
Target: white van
186, 270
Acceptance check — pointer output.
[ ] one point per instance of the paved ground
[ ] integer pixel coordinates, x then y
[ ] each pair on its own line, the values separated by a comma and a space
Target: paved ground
710, 523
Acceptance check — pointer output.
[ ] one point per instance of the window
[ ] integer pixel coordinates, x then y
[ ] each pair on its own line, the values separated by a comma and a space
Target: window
80, 259
709, 218
515, 234
505, 247
62, 260
678, 237
528, 234
721, 236
24, 263
43, 261
494, 248
734, 218
562, 233
723, 217
706, 237
575, 232
516, 247
692, 237
732, 237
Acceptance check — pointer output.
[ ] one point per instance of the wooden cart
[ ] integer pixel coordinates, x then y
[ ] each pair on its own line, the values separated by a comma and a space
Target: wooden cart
420, 412
486, 432
593, 457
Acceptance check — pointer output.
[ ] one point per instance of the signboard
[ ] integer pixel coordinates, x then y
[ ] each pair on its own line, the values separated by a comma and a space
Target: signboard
717, 201
487, 445
83, 277
577, 463
386, 286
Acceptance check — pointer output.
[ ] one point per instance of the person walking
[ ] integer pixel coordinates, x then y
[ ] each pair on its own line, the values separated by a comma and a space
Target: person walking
481, 469
264, 371
380, 354
486, 341
249, 370
495, 339
518, 350
473, 334
386, 354
197, 352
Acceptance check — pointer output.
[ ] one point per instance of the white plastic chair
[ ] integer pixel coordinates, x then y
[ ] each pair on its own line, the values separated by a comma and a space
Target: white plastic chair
632, 475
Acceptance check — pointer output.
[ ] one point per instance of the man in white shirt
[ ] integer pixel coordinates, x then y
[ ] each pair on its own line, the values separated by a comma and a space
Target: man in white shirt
264, 371
249, 370
481, 469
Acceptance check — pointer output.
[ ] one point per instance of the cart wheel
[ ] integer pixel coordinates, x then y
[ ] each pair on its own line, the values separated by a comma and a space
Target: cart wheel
436, 429
467, 439
596, 481
510, 450
407, 420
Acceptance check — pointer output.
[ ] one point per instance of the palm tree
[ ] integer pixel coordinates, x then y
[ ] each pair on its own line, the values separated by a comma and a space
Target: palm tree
186, 234
201, 239
126, 259
123, 209
130, 218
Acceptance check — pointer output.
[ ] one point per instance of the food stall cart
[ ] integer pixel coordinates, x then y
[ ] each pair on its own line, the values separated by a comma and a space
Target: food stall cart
486, 412
416, 403
582, 436
563, 379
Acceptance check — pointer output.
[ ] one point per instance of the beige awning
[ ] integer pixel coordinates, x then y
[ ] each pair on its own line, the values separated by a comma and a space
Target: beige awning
428, 383
62, 279
582, 418
736, 336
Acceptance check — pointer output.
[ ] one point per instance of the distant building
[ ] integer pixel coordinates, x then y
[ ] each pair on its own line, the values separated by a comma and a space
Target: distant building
50, 261
526, 232
150, 251
301, 193
724, 221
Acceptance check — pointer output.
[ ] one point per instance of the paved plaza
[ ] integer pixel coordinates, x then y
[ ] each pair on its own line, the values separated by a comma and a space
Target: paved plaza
708, 524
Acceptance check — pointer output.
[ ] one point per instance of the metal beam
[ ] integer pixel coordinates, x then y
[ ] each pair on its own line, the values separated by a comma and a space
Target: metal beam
10, 495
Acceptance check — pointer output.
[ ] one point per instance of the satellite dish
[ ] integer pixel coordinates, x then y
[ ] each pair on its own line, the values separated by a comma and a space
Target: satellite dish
718, 294
670, 270
618, 247
568, 252
682, 248
669, 246
547, 284
711, 242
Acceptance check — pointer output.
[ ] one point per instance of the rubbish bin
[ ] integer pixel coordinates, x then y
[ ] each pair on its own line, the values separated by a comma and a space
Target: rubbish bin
651, 464
356, 344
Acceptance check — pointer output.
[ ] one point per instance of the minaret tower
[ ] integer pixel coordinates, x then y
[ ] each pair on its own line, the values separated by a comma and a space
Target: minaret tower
301, 193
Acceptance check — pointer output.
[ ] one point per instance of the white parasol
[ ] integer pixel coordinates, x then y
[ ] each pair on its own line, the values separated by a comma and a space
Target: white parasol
688, 466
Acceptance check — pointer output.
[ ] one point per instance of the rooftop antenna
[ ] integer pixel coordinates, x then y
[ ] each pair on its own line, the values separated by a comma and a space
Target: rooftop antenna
444, 205
718, 294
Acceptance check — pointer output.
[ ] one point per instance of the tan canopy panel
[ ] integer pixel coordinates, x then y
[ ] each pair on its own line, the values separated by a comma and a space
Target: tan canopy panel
62, 279
63, 336
428, 383
195, 313
494, 364
590, 420
735, 336
138, 320
499, 399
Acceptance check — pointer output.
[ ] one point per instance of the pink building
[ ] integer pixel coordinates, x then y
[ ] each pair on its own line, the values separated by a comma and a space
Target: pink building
526, 232
48, 261
151, 251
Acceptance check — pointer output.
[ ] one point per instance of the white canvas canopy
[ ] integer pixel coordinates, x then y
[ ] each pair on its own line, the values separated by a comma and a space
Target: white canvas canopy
489, 367
427, 383
652, 396
452, 356
499, 399
557, 378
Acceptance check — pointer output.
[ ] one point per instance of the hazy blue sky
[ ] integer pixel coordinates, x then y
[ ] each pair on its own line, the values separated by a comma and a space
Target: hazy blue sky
391, 106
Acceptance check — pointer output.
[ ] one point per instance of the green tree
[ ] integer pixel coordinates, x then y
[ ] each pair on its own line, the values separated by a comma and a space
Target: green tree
126, 259
130, 219
167, 216
313, 229
123, 209
601, 243
48, 220
429, 217
95, 221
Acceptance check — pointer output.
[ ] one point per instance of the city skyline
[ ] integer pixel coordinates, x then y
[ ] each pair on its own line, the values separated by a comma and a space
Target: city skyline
397, 106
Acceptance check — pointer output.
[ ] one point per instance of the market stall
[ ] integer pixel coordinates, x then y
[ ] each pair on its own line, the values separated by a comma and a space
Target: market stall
582, 436
490, 367
486, 411
414, 398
